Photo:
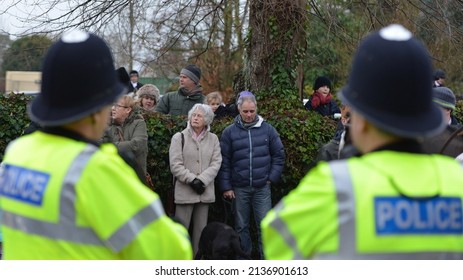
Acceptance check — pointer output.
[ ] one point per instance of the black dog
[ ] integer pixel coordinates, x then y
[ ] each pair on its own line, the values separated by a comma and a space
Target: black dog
219, 241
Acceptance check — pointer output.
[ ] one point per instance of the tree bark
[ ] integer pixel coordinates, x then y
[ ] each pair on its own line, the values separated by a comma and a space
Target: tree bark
277, 36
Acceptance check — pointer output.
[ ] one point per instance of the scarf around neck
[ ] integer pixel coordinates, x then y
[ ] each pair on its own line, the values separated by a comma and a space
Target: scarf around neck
248, 125
193, 94
320, 99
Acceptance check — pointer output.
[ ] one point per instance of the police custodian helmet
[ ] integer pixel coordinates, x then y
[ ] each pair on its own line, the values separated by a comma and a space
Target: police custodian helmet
78, 79
389, 84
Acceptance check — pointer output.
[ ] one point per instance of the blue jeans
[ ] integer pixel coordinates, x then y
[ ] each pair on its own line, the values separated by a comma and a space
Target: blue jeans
259, 199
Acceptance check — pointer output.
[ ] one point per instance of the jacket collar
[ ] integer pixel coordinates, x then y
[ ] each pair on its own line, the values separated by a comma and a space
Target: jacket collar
60, 131
258, 124
195, 94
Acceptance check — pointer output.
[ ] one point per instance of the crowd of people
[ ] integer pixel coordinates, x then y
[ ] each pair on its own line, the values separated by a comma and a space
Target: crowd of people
386, 186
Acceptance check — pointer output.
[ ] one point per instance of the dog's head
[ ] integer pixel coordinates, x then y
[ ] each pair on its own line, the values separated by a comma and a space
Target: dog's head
219, 241
227, 246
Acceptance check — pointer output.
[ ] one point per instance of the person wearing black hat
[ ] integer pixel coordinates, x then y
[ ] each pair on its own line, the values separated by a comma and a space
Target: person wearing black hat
134, 85
321, 99
63, 195
189, 93
394, 201
445, 99
439, 78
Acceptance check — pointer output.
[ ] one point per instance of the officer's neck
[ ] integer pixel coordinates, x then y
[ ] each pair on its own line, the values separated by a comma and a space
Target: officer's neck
69, 133
373, 139
83, 130
372, 146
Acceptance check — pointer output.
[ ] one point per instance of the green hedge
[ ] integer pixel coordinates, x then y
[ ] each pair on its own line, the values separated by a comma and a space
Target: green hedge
301, 132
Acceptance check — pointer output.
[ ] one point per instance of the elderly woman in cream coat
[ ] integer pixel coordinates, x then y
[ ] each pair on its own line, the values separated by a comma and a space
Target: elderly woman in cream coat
195, 162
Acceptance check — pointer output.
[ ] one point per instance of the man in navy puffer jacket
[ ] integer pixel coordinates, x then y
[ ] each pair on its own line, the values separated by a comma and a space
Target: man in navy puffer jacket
252, 160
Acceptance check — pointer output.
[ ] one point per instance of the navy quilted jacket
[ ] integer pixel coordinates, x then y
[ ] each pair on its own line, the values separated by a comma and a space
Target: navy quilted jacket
325, 110
251, 156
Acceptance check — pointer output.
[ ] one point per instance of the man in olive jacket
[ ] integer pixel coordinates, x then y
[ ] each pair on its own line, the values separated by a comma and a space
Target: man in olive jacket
190, 93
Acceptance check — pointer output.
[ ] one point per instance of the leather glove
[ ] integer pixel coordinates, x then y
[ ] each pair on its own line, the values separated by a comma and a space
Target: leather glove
198, 186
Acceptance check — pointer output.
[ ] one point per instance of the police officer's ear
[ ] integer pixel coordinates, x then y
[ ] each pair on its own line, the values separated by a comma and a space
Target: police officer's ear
363, 127
93, 119
362, 124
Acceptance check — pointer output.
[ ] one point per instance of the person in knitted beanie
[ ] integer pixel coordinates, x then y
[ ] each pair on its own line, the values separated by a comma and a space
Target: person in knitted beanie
322, 100
188, 94
445, 99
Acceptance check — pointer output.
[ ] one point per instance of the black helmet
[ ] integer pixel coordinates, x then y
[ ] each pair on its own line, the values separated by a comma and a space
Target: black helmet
389, 84
78, 79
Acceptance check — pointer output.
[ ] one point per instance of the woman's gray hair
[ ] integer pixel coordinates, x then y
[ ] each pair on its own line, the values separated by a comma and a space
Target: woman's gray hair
241, 100
207, 110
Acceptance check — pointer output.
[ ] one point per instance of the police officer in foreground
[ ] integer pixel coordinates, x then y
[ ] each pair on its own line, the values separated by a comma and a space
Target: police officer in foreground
393, 202
63, 196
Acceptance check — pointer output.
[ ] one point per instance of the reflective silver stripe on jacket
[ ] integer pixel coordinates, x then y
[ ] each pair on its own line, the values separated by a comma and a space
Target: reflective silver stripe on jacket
280, 226
128, 231
67, 230
347, 224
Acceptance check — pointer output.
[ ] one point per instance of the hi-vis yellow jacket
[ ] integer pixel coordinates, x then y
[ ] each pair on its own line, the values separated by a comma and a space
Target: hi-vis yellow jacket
383, 205
66, 199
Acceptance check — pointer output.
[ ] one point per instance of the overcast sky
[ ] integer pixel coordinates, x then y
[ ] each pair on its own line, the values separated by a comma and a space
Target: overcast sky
13, 16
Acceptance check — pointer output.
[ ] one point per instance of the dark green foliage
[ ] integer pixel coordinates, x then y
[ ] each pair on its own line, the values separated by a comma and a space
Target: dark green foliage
301, 132
459, 111
13, 118
161, 128
330, 47
26, 54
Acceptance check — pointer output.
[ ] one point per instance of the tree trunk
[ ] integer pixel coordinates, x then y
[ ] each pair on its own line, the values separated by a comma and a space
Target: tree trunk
277, 43
131, 30
226, 73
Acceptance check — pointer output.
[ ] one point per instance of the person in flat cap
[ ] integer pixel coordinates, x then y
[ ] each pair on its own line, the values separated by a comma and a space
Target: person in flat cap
321, 99
133, 84
64, 195
189, 93
445, 99
392, 201
439, 78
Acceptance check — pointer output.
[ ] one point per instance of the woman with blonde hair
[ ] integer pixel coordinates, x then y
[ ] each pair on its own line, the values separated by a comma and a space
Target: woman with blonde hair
214, 99
128, 130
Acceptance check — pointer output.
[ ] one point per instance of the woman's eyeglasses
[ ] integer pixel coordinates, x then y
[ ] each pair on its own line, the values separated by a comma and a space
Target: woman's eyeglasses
121, 106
